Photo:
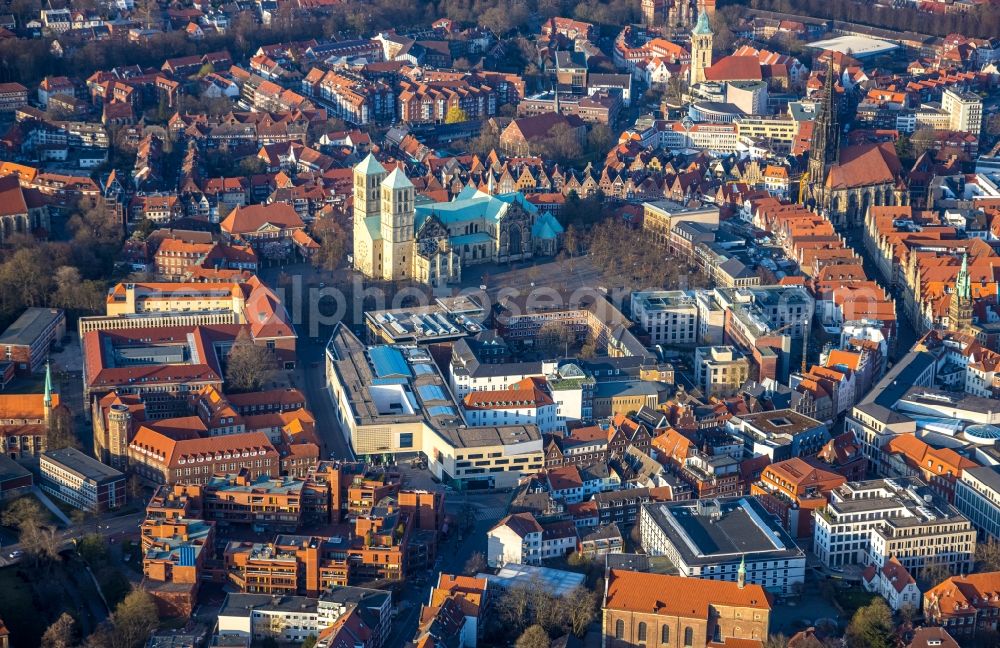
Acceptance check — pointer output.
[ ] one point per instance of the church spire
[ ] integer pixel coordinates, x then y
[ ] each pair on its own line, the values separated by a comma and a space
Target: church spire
741, 573
963, 287
47, 400
960, 308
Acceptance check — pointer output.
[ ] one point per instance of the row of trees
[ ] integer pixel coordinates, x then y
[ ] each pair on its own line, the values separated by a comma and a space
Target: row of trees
521, 608
63, 274
982, 21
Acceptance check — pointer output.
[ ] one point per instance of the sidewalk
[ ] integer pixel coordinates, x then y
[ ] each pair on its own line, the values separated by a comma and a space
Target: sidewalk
56, 511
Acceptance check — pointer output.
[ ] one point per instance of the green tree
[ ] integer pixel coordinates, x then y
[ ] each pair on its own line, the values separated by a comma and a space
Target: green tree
872, 627
456, 115
249, 366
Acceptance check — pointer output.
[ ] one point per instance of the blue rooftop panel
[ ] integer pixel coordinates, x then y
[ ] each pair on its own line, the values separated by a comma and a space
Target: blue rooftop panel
389, 362
441, 410
431, 392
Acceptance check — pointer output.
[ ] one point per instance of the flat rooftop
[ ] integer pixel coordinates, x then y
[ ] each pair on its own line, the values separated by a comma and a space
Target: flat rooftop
82, 465
428, 323
554, 581
29, 326
710, 531
858, 46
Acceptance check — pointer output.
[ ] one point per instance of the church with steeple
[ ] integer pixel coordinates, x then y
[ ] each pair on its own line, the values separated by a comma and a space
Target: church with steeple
843, 182
24, 426
402, 236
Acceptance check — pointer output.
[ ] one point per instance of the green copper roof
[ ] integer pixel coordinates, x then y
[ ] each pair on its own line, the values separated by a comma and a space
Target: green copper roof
702, 28
369, 166
397, 180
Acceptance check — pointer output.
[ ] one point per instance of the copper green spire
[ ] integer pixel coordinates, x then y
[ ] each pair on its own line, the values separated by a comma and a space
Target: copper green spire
963, 287
47, 400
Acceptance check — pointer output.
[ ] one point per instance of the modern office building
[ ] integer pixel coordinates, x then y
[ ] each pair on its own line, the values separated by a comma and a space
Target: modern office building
868, 522
669, 316
81, 481
977, 496
721, 538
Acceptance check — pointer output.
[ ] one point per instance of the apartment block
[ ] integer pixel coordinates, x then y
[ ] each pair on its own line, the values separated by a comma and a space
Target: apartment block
668, 316
720, 370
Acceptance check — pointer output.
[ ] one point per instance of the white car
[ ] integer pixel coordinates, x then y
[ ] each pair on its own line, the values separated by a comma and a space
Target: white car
17, 553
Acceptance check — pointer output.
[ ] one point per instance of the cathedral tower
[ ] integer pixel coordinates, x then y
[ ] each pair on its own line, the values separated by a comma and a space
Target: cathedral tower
701, 48
825, 148
960, 308
397, 226
368, 175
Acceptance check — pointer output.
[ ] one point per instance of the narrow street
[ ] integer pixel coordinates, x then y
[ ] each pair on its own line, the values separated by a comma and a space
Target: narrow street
905, 333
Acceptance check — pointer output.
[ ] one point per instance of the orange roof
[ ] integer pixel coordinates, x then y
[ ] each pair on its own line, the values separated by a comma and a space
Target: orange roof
24, 406
527, 393
942, 460
677, 595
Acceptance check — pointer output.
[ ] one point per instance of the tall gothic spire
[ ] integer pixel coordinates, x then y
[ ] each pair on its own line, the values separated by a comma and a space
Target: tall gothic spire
826, 133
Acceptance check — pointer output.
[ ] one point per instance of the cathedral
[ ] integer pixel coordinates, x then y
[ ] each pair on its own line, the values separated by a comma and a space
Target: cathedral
401, 236
843, 182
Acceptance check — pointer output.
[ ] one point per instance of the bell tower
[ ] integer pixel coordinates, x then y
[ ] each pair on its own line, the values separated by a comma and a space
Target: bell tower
701, 48
397, 226
368, 175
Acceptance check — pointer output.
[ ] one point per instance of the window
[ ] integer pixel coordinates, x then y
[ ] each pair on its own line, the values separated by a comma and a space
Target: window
619, 629
688, 637
665, 635
642, 631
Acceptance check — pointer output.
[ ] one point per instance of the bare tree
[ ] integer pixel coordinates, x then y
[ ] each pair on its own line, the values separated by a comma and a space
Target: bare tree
534, 637
581, 608
475, 564
249, 367
134, 618
61, 634
988, 555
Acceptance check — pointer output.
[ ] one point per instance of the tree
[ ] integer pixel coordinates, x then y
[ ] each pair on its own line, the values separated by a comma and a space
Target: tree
988, 555
23, 512
475, 564
333, 242
310, 642
992, 124
249, 367
934, 572
555, 337
134, 618
561, 145
600, 139
252, 165
61, 433
135, 487
534, 637
61, 634
581, 608
456, 115
776, 641
871, 627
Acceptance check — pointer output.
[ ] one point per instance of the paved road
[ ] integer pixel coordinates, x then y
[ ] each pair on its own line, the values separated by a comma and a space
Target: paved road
312, 381
113, 528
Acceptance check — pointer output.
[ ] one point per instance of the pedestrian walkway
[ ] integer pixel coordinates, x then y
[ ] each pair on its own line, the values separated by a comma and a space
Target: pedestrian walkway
49, 504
